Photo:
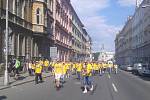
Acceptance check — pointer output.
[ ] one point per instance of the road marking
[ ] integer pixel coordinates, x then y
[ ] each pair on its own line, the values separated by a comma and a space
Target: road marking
108, 76
115, 89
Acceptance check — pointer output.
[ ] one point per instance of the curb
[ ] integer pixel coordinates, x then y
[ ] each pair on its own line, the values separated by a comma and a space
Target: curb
20, 83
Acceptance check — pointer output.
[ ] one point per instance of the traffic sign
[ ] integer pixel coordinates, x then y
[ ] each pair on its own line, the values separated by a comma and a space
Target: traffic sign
53, 52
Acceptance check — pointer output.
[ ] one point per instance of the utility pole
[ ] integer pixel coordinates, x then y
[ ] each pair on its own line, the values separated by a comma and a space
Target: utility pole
6, 76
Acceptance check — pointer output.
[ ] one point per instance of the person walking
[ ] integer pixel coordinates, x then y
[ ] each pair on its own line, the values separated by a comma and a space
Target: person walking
58, 70
30, 68
46, 65
38, 72
17, 67
87, 77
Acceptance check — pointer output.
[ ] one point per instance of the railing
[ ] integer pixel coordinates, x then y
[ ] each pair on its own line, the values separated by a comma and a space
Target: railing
16, 20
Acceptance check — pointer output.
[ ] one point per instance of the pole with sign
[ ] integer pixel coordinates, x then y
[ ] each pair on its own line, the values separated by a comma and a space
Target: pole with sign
53, 53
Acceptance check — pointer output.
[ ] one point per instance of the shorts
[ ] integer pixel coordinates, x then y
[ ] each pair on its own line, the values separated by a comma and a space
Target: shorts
58, 76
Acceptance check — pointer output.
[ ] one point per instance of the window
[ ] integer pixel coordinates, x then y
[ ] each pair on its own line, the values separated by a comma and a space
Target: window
38, 15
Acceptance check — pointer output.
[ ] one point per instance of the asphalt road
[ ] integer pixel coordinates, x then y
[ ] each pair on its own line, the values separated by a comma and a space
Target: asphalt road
121, 86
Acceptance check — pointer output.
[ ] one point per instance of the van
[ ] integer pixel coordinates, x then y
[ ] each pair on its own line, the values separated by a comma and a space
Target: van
136, 68
145, 70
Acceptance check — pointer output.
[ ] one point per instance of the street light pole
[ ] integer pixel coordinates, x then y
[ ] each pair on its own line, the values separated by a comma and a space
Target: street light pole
6, 76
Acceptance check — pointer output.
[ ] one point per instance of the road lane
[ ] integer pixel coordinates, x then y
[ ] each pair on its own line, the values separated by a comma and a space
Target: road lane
130, 87
121, 86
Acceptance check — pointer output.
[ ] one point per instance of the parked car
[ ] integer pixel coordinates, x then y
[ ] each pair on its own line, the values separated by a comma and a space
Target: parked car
145, 70
136, 68
129, 68
126, 67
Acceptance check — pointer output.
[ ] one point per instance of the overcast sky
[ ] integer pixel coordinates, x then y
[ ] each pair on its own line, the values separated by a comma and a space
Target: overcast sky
103, 19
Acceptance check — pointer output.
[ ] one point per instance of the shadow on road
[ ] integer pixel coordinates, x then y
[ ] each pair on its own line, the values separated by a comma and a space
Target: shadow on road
3, 97
19, 78
145, 78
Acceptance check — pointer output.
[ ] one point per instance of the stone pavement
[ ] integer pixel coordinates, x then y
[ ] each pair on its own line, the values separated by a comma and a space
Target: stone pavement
23, 78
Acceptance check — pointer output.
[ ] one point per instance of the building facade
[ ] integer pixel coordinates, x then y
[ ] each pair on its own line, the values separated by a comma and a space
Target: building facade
135, 36
106, 56
29, 36
37, 25
123, 44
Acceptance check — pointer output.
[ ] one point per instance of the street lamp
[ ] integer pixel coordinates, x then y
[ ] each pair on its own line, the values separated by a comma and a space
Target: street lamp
6, 76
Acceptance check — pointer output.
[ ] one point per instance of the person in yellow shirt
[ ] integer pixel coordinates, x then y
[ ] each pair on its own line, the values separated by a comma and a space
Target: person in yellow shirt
95, 68
33, 66
38, 72
64, 71
79, 69
87, 76
58, 71
46, 65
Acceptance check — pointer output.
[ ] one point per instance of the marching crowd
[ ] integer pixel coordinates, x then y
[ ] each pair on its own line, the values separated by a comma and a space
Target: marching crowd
84, 71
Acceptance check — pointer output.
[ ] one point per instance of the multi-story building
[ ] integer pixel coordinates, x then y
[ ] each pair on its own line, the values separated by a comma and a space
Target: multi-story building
28, 33
37, 25
62, 29
79, 37
123, 44
42, 21
133, 42
69, 33
106, 56
20, 27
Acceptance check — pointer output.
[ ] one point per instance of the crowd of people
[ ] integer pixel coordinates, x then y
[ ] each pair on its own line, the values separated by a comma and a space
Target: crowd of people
83, 71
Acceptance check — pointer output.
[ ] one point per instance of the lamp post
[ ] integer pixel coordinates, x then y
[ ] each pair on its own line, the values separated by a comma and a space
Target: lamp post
6, 76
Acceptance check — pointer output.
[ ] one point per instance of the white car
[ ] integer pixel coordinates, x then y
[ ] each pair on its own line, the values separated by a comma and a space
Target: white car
129, 68
136, 68
145, 70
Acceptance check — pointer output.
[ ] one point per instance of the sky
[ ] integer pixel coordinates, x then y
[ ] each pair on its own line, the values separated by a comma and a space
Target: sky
103, 19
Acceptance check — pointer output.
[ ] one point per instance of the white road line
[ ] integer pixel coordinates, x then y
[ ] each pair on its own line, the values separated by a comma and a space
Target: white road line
115, 89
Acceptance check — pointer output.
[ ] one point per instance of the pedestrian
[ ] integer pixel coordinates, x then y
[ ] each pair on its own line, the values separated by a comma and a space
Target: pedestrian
38, 72
79, 69
46, 65
87, 77
30, 68
17, 67
116, 68
58, 70
100, 68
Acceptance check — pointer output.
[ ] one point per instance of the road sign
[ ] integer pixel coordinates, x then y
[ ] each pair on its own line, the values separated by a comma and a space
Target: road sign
53, 52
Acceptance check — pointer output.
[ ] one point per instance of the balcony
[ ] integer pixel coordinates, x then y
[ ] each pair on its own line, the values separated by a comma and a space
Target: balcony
16, 20
41, 29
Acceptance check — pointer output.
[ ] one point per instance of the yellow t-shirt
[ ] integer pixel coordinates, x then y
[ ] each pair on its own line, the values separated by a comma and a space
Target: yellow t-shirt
58, 68
79, 67
89, 69
67, 66
46, 63
95, 66
100, 66
64, 70
38, 68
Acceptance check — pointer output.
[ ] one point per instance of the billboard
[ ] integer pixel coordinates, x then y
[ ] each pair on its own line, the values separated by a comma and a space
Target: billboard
53, 53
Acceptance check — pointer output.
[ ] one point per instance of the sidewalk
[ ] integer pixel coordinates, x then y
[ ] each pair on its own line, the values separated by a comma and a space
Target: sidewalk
24, 78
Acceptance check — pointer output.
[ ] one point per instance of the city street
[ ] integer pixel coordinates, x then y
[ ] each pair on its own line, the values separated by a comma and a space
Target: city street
122, 86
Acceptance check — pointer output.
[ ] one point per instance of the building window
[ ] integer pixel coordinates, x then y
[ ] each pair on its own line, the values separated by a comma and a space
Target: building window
38, 15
